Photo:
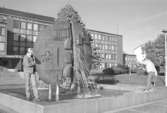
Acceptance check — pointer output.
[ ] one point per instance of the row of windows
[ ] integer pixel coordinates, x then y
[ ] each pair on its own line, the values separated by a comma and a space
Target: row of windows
110, 56
103, 37
19, 50
104, 47
106, 65
24, 44
23, 37
25, 25
104, 42
107, 56
104, 51
28, 32
130, 58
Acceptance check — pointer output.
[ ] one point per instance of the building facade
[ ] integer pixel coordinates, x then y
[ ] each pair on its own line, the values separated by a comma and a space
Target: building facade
18, 31
109, 47
130, 61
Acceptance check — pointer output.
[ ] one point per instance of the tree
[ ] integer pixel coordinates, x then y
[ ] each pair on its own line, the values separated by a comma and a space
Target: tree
155, 50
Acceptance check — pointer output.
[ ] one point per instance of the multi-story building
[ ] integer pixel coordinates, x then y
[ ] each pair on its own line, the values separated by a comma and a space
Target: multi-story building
18, 31
130, 60
109, 47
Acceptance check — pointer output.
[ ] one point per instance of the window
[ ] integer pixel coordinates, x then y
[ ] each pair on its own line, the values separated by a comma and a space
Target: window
16, 37
15, 49
22, 44
15, 43
2, 38
29, 45
112, 47
2, 31
2, 46
34, 38
95, 36
16, 24
103, 38
35, 27
99, 37
29, 38
109, 56
102, 65
106, 56
106, 47
29, 26
29, 32
23, 25
112, 57
110, 65
22, 50
23, 38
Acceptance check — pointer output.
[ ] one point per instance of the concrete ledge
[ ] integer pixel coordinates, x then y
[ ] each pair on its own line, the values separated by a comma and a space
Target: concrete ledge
93, 105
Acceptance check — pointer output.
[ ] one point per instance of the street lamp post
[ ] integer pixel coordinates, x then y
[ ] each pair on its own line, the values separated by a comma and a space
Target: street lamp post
165, 31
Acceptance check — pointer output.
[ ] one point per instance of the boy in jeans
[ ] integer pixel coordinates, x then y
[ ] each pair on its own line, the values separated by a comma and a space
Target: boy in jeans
149, 67
152, 74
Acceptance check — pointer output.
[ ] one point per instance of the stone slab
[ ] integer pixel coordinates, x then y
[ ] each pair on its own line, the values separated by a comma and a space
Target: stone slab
92, 105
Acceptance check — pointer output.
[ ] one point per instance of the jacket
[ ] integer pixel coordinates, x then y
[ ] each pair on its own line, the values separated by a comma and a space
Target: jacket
28, 64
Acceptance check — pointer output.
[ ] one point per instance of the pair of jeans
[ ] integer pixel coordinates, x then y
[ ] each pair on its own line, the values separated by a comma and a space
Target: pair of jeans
151, 79
31, 85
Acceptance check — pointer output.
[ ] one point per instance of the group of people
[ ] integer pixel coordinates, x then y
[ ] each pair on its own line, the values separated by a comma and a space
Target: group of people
29, 68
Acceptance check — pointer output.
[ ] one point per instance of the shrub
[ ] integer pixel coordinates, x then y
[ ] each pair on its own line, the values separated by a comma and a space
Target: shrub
120, 69
108, 71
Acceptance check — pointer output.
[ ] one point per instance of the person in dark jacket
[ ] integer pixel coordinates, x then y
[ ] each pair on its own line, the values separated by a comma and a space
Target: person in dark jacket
30, 76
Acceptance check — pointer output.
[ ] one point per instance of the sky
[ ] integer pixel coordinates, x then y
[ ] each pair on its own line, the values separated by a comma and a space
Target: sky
138, 21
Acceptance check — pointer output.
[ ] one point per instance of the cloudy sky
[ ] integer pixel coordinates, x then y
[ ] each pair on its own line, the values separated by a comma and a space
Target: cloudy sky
137, 20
